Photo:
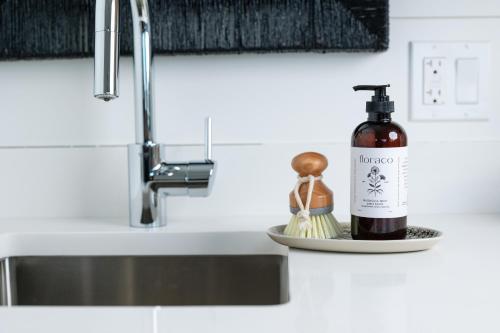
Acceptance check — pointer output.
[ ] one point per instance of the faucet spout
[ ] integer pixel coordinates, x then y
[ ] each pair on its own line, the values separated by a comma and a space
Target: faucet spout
106, 61
143, 68
107, 49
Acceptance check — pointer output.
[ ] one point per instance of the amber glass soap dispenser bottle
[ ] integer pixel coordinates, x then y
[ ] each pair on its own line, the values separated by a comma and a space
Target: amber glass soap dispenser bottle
379, 171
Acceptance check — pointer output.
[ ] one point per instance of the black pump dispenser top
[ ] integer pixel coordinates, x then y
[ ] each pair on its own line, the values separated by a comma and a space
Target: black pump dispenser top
380, 102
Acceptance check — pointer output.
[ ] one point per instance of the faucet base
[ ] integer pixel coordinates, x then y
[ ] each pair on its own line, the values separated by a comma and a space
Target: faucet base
146, 205
152, 180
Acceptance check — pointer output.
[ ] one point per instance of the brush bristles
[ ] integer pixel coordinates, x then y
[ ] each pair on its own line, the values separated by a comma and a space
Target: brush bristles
323, 227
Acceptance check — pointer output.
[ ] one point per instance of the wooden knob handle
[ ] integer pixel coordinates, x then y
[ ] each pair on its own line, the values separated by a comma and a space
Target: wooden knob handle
306, 164
309, 163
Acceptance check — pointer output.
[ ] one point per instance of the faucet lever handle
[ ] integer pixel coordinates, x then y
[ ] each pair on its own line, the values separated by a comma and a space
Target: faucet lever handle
208, 138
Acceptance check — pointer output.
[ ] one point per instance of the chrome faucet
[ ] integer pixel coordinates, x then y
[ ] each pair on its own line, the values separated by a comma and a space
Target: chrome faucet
151, 178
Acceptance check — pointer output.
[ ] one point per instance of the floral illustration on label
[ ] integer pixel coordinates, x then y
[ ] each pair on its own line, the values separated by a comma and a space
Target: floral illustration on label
375, 181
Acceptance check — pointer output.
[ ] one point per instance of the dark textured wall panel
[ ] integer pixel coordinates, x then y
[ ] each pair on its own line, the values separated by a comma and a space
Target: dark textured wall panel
65, 28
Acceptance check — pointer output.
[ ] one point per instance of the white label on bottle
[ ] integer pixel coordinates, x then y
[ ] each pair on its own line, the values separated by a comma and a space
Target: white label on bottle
379, 182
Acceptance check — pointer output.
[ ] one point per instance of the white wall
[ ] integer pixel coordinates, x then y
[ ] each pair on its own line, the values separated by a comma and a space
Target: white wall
64, 151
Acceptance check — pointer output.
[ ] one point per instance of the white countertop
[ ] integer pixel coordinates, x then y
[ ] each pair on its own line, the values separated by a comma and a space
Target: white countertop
455, 287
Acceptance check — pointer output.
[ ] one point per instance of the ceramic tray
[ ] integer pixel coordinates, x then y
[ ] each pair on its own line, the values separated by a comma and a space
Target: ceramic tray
418, 239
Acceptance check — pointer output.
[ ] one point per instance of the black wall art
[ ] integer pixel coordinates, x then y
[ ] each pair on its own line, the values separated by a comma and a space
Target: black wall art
65, 28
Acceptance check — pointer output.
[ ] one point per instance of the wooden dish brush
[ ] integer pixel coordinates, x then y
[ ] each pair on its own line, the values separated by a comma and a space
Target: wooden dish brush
311, 201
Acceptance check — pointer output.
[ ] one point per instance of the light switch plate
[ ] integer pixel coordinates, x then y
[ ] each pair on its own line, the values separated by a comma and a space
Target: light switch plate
467, 81
434, 84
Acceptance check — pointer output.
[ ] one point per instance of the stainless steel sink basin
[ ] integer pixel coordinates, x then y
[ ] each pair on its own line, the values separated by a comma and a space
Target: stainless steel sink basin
142, 267
144, 280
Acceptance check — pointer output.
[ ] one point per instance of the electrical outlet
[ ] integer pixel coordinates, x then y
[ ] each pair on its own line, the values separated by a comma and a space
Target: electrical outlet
449, 80
434, 81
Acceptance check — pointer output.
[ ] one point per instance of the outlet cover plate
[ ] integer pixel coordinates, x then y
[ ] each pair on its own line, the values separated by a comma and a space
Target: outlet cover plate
449, 53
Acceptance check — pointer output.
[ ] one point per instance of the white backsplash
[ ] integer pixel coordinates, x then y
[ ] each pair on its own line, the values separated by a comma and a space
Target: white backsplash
251, 180
266, 108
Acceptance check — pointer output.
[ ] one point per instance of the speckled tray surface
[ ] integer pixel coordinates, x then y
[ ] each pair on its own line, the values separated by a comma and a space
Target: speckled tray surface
417, 239
412, 233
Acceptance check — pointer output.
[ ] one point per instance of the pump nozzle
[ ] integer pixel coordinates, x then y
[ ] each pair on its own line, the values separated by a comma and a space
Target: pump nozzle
378, 89
380, 101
